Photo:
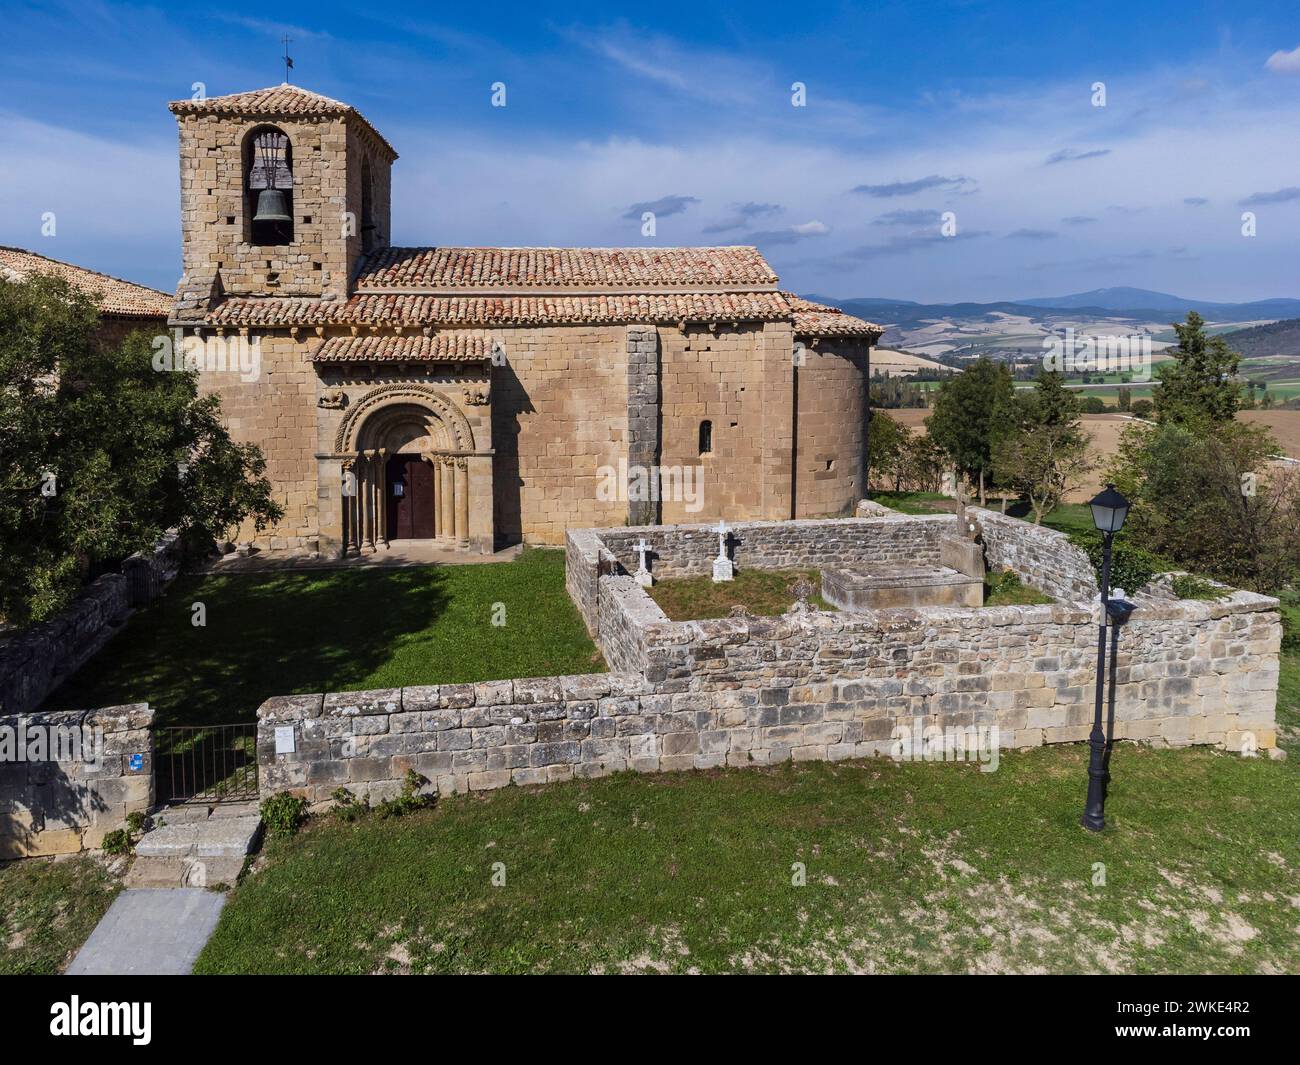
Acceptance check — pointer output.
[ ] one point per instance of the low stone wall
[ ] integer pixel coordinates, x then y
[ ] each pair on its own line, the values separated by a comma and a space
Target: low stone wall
35, 661
56, 799
1044, 558
807, 685
689, 550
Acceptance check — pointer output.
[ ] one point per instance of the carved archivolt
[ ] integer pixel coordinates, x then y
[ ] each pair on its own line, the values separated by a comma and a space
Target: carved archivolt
362, 425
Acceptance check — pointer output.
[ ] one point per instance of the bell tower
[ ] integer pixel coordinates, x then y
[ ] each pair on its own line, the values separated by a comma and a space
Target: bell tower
282, 192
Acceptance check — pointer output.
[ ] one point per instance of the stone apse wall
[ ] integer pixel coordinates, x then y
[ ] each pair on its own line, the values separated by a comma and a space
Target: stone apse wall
815, 685
57, 800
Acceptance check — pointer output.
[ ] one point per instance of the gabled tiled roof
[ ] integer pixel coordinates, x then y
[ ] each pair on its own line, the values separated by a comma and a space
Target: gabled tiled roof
519, 269
441, 347
417, 310
818, 320
122, 299
277, 101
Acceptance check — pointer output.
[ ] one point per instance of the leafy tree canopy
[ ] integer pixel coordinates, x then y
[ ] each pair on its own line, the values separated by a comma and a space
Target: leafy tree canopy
100, 453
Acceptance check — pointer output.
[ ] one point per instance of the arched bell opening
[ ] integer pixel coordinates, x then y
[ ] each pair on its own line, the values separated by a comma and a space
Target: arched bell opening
268, 187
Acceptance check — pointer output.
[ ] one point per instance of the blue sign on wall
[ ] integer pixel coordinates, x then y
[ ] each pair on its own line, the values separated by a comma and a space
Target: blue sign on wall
136, 762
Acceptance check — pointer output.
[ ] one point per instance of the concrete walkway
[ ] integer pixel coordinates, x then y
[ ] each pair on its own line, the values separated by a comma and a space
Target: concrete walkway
150, 932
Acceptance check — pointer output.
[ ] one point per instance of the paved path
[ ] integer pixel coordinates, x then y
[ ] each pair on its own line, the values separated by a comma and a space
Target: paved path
150, 932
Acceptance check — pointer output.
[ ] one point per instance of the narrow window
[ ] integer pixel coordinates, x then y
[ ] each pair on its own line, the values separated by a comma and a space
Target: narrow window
706, 437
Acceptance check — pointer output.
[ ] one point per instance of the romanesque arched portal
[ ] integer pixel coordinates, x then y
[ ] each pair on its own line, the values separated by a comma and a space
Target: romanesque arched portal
405, 462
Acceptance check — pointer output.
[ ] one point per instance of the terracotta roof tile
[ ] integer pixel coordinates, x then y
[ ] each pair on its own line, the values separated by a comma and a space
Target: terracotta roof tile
818, 320
564, 268
416, 310
441, 347
123, 299
276, 101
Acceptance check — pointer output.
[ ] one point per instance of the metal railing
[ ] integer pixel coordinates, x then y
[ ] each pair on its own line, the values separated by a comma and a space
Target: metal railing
205, 763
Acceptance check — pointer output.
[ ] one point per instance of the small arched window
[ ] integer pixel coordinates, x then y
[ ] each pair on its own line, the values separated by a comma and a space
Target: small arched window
706, 437
268, 200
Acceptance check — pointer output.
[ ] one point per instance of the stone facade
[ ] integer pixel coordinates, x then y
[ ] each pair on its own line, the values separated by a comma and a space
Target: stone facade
61, 806
564, 364
808, 685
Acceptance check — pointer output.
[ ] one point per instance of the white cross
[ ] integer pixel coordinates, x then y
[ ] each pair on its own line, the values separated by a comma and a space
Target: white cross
722, 530
641, 549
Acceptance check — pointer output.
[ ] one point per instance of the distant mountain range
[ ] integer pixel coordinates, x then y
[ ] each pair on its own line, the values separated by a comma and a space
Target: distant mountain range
1137, 303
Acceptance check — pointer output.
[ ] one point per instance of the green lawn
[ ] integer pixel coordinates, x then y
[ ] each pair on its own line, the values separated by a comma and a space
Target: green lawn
336, 630
762, 592
909, 868
915, 502
48, 909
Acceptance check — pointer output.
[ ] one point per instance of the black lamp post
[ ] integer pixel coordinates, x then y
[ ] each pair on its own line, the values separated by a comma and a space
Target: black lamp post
1109, 509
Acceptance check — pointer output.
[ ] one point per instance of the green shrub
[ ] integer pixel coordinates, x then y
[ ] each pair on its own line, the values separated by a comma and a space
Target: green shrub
137, 822
283, 813
409, 800
1130, 567
347, 807
1187, 586
1290, 627
117, 842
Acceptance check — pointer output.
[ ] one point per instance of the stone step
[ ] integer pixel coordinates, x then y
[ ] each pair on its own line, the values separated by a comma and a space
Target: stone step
216, 837
190, 871
186, 813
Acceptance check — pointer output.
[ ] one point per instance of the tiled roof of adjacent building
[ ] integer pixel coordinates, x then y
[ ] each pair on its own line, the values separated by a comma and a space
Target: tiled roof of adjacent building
115, 297
637, 269
287, 101
818, 320
441, 347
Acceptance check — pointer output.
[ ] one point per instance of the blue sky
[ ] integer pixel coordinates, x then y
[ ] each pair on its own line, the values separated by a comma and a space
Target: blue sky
913, 109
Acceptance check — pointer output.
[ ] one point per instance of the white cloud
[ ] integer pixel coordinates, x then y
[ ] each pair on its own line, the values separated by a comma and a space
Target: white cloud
1284, 62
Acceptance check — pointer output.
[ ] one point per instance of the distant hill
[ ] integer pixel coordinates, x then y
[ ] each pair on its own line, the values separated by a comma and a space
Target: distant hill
1136, 303
1279, 338
1129, 299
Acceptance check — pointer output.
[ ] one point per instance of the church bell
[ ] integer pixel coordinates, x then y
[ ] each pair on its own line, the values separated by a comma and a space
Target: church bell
270, 207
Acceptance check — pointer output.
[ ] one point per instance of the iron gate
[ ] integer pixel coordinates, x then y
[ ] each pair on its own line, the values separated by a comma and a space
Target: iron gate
205, 763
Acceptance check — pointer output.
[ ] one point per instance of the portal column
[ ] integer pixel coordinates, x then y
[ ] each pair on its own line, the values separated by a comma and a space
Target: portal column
381, 489
447, 497
462, 502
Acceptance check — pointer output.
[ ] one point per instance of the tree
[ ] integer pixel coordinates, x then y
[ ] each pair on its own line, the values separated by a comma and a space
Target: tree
1142, 408
969, 413
1200, 384
1212, 499
885, 442
922, 463
1046, 454
101, 453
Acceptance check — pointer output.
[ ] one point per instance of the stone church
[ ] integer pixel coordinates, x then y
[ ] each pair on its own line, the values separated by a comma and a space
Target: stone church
479, 397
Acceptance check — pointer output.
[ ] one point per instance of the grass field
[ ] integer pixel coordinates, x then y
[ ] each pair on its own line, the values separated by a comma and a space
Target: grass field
48, 909
915, 867
762, 592
336, 630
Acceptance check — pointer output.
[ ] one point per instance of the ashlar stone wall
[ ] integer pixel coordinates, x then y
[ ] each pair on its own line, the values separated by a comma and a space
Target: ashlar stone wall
62, 802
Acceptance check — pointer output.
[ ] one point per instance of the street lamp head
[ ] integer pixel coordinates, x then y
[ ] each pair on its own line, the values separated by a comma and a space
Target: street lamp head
1109, 509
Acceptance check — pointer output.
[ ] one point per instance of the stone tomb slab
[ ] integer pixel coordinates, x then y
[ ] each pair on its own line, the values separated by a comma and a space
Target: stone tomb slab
889, 586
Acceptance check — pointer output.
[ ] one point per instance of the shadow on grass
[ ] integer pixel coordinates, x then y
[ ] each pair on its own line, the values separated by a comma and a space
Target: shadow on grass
335, 630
